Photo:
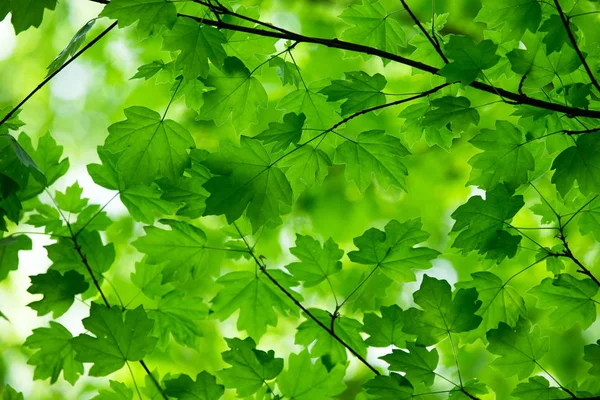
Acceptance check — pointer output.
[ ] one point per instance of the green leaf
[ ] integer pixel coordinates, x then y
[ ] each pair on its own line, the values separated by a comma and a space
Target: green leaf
58, 290
320, 114
317, 262
305, 167
386, 330
177, 315
304, 380
519, 349
250, 367
414, 129
237, 94
481, 224
205, 387
256, 298
246, 180
147, 71
145, 202
28, 13
441, 314
538, 67
580, 163
359, 91
513, 16
394, 251
556, 34
71, 48
418, 363
9, 253
578, 93
392, 387
198, 43
55, 353
148, 278
71, 200
152, 14
151, 147
348, 329
592, 355
537, 387
186, 191
118, 392
283, 134
450, 110
287, 71
100, 257
119, 337
11, 394
372, 27
47, 158
182, 248
11, 124
572, 300
246, 45
374, 153
504, 160
469, 59
472, 386
193, 90
499, 302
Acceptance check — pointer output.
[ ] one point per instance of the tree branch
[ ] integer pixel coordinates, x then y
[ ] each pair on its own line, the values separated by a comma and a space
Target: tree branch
565, 22
263, 269
49, 77
434, 43
358, 48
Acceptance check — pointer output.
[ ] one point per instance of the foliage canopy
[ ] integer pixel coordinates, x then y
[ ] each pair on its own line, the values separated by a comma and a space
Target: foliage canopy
388, 201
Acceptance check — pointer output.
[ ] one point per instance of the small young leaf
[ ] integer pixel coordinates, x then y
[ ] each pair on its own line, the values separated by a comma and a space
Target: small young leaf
71, 48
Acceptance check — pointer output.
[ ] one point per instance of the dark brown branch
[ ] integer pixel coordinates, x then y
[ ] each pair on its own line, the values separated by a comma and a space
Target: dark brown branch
573, 40
52, 75
354, 47
263, 269
582, 269
433, 42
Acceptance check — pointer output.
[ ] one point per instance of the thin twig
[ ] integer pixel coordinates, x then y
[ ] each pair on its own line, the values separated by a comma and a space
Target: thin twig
434, 43
264, 270
565, 22
49, 77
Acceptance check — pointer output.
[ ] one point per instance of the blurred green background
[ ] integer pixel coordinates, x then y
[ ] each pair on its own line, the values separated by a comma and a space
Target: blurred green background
83, 100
